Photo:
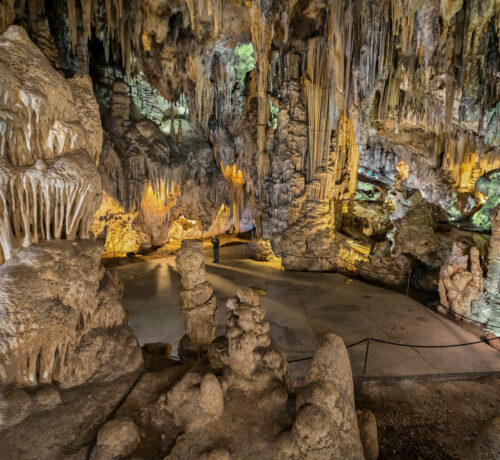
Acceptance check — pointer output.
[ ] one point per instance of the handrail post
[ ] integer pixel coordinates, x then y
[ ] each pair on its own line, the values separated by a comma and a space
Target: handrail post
366, 354
408, 284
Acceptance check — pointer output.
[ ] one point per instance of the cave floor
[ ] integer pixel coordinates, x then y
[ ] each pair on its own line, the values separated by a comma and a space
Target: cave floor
301, 307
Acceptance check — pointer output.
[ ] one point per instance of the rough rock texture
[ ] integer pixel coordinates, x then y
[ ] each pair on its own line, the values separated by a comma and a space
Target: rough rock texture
50, 141
487, 444
195, 401
368, 432
116, 439
198, 306
488, 307
67, 422
69, 327
249, 363
325, 424
415, 233
461, 280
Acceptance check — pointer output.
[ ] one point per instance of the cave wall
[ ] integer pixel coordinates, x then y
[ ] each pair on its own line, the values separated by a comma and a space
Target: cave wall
338, 86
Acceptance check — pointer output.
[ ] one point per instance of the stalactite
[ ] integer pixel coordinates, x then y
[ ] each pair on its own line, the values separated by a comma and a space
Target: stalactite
41, 203
72, 21
261, 27
317, 86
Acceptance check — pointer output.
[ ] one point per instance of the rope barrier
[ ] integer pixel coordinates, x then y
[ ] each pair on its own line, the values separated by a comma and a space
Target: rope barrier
454, 313
407, 345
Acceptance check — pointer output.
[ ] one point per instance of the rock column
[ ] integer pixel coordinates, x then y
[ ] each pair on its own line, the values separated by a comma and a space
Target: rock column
198, 306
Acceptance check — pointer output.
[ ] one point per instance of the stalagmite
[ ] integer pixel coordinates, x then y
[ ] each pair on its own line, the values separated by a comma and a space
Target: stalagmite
198, 306
488, 306
459, 286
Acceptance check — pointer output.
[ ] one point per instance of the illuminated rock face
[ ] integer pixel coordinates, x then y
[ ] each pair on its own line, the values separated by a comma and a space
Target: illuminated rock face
50, 143
60, 316
461, 280
115, 226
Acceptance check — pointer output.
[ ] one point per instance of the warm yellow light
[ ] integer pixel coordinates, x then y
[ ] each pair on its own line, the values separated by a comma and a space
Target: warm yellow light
111, 218
233, 174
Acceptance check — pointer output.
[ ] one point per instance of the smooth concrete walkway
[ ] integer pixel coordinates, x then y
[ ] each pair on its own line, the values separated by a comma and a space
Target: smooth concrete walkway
301, 307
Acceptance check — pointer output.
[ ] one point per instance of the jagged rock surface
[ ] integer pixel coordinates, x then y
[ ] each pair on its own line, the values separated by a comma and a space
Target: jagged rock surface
198, 306
69, 327
325, 424
461, 280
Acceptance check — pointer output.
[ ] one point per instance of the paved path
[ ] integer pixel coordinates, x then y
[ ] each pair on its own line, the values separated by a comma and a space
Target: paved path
302, 307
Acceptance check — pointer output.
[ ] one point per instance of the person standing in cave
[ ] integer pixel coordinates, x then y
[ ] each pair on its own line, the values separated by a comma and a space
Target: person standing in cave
216, 243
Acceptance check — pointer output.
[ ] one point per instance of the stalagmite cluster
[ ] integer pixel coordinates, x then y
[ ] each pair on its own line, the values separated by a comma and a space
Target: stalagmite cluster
198, 306
248, 361
461, 280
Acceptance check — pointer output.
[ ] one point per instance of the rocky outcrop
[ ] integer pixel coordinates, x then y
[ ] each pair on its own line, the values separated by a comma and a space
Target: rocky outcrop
488, 306
248, 361
51, 139
117, 438
325, 424
198, 306
415, 230
70, 326
461, 280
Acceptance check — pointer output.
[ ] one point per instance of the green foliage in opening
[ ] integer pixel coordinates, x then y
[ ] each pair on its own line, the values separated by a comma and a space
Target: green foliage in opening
366, 192
274, 115
244, 61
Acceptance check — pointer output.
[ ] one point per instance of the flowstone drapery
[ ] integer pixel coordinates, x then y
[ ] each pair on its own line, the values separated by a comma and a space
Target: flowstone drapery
50, 141
60, 316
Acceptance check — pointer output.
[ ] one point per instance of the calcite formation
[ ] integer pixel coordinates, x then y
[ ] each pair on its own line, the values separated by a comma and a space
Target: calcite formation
461, 280
199, 409
70, 326
247, 359
198, 306
487, 308
325, 424
50, 143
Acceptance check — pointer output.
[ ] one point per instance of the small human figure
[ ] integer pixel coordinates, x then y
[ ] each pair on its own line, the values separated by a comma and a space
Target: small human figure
216, 242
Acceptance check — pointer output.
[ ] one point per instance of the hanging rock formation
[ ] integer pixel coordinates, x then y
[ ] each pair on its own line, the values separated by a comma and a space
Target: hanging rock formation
50, 143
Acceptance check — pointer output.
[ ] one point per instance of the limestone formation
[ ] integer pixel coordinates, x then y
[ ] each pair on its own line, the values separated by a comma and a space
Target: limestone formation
70, 326
325, 424
415, 230
249, 362
461, 280
203, 117
50, 142
116, 439
195, 401
368, 432
198, 306
488, 306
